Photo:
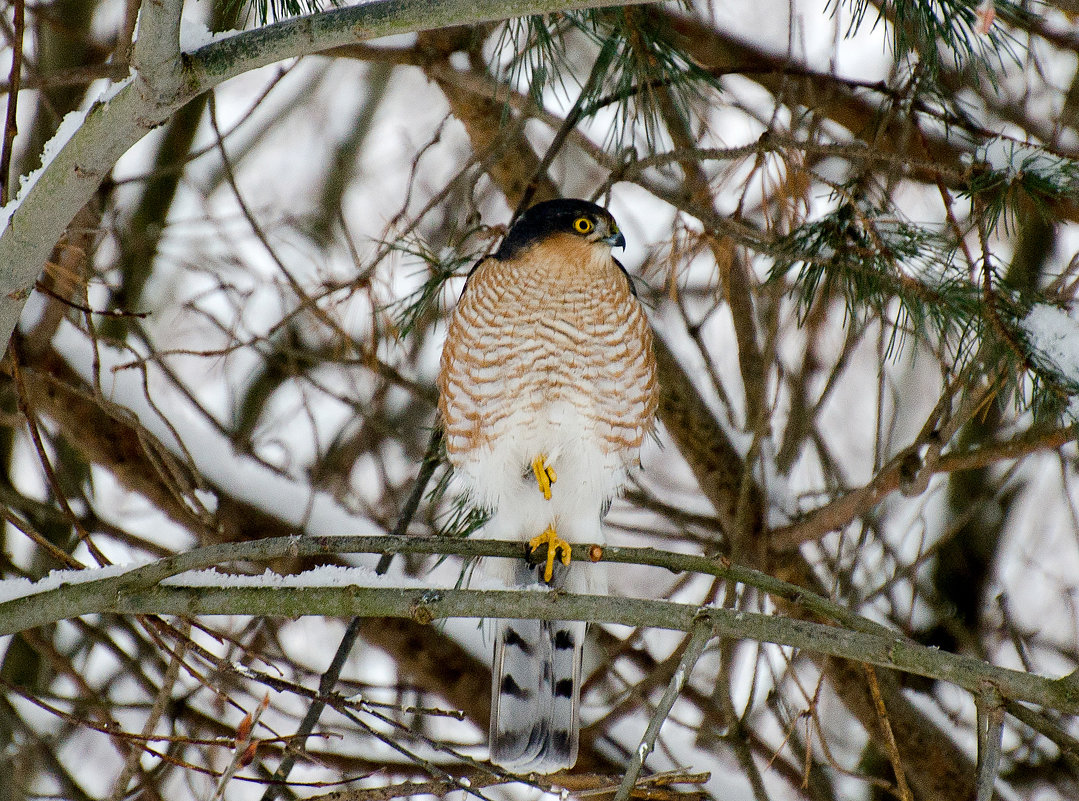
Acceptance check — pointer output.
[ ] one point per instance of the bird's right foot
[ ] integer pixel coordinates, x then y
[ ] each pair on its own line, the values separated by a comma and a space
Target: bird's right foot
554, 544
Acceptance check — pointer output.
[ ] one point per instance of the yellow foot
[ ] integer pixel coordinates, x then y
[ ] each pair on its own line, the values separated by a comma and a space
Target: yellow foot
545, 476
554, 544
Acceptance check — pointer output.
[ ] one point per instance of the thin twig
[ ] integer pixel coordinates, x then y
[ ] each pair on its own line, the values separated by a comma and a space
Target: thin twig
46, 465
244, 742
408, 511
149, 726
431, 768
990, 738
325, 686
736, 725
121, 313
11, 122
889, 735
698, 639
302, 297
62, 557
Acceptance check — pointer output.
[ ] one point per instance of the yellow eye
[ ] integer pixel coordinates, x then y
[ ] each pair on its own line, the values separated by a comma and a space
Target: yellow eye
583, 225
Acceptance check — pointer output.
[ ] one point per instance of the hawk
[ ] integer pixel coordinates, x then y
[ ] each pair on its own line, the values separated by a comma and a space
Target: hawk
547, 389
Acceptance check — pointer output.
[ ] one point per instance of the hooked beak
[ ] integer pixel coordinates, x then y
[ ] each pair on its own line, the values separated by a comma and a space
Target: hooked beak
616, 240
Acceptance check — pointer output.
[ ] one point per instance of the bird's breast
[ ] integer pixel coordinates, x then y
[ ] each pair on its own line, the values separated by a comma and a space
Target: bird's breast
522, 348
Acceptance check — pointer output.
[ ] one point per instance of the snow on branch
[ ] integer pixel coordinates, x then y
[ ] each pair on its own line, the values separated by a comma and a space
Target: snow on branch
1054, 337
360, 592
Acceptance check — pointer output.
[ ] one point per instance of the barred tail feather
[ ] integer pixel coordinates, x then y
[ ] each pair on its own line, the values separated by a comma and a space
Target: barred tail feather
567, 640
520, 693
535, 695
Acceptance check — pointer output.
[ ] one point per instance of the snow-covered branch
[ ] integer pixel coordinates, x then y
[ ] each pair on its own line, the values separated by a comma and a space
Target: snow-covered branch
69, 593
226, 58
158, 588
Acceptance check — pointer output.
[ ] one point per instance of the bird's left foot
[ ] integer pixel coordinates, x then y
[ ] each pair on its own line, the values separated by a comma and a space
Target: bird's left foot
554, 544
545, 476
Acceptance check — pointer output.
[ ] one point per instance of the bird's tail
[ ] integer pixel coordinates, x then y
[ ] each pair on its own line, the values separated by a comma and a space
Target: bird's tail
535, 695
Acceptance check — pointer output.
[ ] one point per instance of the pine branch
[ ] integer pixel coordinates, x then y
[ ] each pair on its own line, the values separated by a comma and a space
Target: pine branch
871, 258
959, 27
642, 66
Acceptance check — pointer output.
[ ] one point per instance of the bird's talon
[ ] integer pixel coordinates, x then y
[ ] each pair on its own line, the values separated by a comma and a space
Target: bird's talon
545, 475
554, 544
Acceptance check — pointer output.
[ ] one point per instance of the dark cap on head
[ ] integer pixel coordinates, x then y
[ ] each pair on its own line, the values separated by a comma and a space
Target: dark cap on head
570, 216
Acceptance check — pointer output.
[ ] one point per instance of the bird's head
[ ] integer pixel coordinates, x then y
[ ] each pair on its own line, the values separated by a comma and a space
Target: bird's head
578, 218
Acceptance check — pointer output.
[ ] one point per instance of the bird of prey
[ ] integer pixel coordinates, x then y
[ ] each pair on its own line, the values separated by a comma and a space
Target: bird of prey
547, 389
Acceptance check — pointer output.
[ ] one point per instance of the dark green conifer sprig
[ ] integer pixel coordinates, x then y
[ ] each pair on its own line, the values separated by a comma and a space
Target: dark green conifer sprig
641, 56
871, 261
960, 27
538, 47
914, 91
462, 517
1006, 172
1043, 382
1037, 385
647, 60
442, 266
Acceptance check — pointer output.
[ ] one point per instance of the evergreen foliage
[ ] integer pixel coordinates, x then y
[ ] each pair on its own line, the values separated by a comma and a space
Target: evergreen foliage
1005, 173
914, 276
965, 30
424, 301
638, 55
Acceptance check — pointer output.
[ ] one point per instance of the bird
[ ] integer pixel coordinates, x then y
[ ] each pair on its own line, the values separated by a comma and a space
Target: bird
547, 390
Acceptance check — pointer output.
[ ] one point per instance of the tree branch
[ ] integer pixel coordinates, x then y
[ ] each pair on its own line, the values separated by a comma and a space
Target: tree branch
844, 510
427, 605
21, 613
138, 591
698, 639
